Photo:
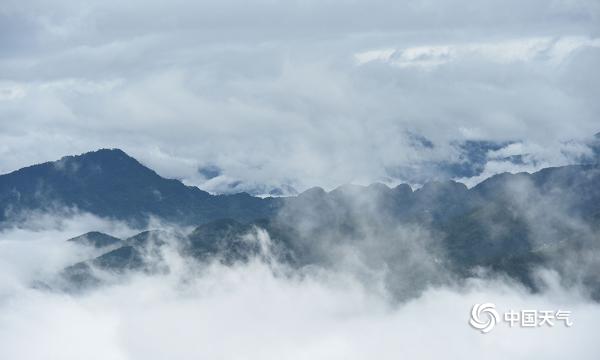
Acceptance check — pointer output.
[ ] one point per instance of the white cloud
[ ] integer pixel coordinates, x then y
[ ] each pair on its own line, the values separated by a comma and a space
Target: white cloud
549, 49
272, 94
250, 311
10, 91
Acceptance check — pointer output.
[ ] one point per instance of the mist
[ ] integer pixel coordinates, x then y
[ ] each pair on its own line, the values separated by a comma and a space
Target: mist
262, 308
277, 179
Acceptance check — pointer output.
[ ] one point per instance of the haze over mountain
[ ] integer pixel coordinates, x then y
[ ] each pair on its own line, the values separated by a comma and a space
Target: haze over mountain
510, 223
109, 183
322, 180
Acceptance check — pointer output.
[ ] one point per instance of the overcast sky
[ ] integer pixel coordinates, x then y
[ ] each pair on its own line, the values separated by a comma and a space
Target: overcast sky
300, 93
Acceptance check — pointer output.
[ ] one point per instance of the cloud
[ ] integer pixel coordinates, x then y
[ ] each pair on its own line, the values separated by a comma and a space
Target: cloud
384, 291
549, 49
258, 310
272, 93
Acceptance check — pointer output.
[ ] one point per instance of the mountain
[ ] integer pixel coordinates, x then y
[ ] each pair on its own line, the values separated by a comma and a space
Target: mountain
96, 239
109, 183
225, 240
511, 223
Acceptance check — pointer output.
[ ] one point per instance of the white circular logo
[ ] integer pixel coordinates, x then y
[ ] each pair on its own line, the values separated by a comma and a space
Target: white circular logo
484, 317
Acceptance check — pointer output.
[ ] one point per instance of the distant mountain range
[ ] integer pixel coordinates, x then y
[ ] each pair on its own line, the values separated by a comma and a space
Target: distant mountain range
509, 223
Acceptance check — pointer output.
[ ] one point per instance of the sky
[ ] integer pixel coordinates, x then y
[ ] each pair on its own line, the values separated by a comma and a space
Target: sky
252, 96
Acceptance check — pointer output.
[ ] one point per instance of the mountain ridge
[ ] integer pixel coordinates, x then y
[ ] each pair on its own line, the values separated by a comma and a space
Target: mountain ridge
508, 222
109, 183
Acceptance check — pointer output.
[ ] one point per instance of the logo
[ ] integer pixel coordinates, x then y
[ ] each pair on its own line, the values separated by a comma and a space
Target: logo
484, 317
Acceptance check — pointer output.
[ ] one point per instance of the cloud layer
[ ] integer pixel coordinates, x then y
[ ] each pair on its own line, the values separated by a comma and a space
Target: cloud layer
262, 310
298, 93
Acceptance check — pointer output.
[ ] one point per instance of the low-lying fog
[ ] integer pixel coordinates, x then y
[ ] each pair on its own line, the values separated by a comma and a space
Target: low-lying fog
261, 309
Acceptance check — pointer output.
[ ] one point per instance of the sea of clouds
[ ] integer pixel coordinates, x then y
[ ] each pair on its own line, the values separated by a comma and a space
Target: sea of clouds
261, 309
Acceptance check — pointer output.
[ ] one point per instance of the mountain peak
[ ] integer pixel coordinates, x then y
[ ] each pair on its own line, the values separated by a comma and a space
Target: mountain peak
101, 155
110, 183
111, 151
108, 162
95, 239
